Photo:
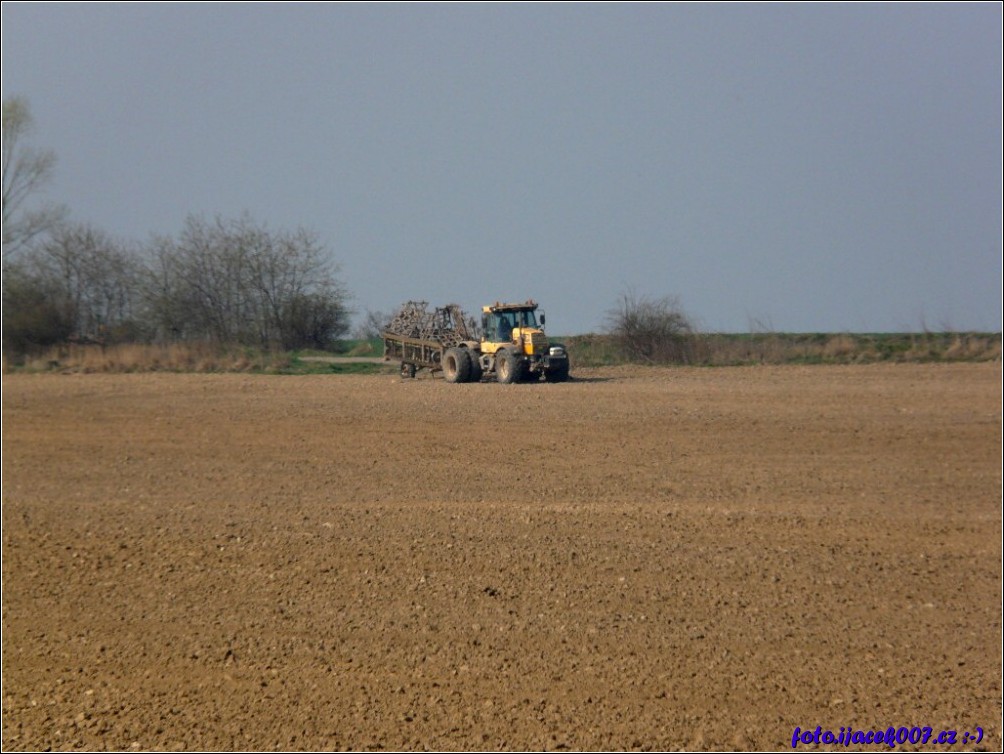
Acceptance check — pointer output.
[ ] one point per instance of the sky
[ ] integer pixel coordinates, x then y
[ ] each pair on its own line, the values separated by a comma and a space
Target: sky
789, 167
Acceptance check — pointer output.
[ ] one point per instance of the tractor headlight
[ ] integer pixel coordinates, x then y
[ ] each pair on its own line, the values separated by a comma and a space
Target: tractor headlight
557, 351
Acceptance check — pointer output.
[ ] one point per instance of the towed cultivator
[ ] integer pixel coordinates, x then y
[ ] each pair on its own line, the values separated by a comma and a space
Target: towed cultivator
448, 325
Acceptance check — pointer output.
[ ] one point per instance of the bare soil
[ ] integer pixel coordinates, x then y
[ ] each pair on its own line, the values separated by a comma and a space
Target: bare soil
637, 559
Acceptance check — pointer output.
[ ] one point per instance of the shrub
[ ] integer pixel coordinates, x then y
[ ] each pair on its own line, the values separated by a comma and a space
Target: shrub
653, 331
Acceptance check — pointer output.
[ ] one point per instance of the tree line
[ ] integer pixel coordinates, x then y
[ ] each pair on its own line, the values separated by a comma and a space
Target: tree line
224, 281
230, 281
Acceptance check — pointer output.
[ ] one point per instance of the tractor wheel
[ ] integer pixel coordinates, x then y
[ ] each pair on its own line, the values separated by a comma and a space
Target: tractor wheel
508, 366
557, 374
476, 371
457, 365
408, 371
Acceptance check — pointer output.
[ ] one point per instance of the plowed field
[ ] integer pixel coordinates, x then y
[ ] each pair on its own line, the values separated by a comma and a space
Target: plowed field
640, 558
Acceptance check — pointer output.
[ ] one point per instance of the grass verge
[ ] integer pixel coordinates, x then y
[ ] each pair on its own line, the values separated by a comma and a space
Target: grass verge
728, 349
715, 349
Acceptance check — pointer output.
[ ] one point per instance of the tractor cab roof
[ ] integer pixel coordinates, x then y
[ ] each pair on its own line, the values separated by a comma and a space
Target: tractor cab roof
528, 306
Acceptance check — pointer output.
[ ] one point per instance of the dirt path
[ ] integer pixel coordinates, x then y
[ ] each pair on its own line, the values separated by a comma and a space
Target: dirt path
345, 359
641, 558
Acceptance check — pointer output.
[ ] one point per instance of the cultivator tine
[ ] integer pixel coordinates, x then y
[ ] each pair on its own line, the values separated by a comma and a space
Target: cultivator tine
409, 320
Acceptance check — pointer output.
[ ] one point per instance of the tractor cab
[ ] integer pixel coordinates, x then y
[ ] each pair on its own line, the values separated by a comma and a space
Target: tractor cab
509, 324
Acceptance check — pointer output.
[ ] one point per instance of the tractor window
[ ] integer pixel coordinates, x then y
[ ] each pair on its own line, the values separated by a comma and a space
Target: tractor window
505, 325
499, 325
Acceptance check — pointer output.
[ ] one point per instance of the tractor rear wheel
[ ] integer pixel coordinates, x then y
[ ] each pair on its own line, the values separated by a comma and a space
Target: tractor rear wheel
457, 365
476, 370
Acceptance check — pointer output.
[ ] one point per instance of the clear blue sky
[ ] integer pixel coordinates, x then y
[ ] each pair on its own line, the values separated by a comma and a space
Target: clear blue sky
800, 167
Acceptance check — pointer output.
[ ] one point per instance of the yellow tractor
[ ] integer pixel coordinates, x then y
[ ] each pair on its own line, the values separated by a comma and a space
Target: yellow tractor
514, 347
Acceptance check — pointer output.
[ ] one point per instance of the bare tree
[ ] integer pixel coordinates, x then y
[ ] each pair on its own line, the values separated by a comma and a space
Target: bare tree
94, 276
25, 172
654, 331
78, 284
234, 281
371, 326
36, 313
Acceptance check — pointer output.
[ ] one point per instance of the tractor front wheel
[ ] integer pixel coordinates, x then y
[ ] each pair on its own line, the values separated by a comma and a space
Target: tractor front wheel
557, 373
508, 366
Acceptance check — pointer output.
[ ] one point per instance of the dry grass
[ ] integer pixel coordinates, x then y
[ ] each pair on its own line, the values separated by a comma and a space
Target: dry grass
839, 346
176, 357
970, 347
